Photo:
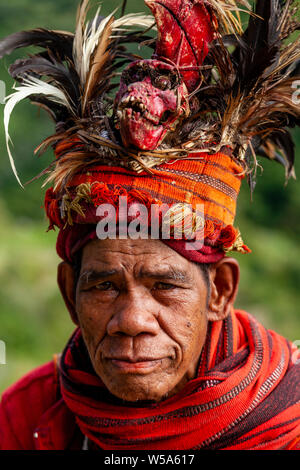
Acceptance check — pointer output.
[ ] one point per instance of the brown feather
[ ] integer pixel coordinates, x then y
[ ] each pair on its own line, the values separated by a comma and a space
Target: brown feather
99, 62
78, 39
69, 165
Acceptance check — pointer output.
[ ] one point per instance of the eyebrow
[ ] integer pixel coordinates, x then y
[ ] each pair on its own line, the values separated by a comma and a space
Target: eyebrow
91, 276
94, 275
166, 274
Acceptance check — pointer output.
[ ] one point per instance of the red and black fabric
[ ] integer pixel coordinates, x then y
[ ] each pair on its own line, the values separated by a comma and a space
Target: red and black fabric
245, 396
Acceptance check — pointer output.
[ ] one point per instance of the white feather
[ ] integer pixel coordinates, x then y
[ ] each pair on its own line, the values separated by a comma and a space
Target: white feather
78, 37
92, 36
134, 19
90, 42
31, 86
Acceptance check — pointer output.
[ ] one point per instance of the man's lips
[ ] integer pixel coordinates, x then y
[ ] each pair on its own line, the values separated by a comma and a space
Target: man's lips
126, 365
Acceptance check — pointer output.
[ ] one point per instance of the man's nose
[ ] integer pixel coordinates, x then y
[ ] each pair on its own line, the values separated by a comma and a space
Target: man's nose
135, 314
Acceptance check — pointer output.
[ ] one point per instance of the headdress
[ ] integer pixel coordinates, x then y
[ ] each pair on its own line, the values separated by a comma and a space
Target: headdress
182, 128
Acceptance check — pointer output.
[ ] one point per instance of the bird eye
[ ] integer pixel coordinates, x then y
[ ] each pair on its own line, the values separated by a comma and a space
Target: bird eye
162, 82
166, 116
134, 74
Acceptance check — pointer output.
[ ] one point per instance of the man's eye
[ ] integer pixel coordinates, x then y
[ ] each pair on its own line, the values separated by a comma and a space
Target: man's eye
163, 286
104, 286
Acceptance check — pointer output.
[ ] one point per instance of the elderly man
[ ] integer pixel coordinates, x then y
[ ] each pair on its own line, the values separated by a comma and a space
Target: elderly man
160, 359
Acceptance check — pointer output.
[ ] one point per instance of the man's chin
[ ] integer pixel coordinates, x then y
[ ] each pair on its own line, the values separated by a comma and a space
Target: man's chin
134, 387
138, 394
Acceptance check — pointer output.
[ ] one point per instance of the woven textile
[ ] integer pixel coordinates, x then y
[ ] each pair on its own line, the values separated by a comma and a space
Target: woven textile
209, 183
244, 396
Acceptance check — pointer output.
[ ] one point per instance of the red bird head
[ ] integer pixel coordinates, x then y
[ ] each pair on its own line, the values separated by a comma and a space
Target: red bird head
154, 94
151, 100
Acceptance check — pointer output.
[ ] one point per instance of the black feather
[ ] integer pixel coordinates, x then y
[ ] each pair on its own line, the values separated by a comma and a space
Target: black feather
57, 112
277, 157
278, 140
259, 47
284, 142
57, 42
65, 79
123, 8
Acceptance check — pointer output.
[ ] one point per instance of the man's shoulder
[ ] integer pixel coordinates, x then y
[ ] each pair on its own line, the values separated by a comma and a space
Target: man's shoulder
40, 379
24, 402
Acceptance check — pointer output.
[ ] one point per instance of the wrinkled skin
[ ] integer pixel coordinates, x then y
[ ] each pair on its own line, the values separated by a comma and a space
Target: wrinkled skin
143, 310
151, 101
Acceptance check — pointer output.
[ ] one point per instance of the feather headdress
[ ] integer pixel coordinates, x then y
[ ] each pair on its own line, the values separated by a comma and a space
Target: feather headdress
72, 77
243, 99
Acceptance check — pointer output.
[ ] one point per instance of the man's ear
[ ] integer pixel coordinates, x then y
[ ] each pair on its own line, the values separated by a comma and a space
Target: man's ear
66, 282
224, 276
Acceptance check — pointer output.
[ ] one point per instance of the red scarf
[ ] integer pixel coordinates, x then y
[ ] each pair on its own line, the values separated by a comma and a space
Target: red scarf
244, 397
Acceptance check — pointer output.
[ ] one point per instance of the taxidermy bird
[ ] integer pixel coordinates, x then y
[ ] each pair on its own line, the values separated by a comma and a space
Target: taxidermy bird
225, 84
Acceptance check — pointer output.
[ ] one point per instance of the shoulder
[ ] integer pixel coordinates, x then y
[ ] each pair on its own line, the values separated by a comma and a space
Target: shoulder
24, 403
33, 379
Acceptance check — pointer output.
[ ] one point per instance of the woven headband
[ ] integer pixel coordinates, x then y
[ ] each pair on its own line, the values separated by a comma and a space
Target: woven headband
179, 130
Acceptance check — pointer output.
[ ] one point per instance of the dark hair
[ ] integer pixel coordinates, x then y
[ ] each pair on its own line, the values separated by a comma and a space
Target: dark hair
77, 268
205, 268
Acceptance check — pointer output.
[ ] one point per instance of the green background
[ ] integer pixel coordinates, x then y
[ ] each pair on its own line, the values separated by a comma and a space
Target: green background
34, 323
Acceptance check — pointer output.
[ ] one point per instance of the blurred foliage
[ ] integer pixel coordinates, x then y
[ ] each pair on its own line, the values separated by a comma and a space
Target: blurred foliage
34, 322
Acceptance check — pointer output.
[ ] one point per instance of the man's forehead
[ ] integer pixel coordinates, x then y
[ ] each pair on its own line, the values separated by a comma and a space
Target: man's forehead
132, 254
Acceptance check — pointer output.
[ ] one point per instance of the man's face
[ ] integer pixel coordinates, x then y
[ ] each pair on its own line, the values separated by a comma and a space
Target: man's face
142, 311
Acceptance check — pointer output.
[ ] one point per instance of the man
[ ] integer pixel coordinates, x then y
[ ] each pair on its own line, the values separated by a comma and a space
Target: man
144, 197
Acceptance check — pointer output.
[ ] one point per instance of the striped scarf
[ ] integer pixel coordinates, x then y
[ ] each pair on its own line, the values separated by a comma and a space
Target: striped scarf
245, 396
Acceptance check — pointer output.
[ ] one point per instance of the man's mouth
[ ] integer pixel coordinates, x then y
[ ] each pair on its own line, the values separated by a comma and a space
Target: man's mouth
139, 366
